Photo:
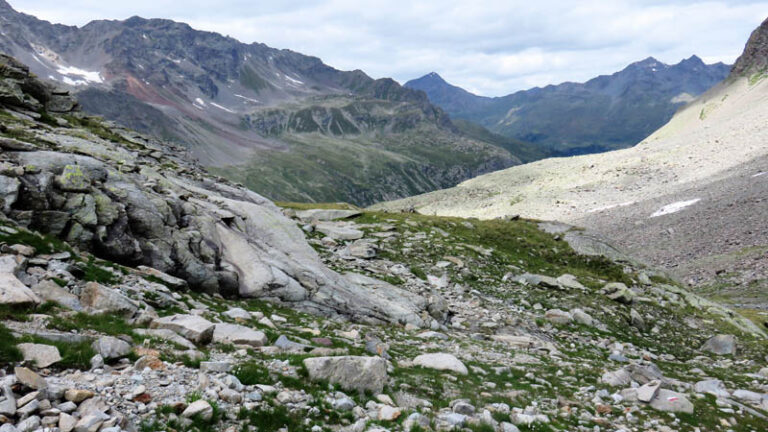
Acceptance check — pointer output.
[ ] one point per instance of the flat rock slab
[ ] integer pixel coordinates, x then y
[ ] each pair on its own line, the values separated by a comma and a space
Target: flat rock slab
192, 327
40, 355
164, 278
338, 231
351, 372
29, 378
669, 401
326, 214
239, 335
441, 361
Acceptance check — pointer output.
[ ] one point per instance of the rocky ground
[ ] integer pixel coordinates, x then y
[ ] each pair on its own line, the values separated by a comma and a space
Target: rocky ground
522, 334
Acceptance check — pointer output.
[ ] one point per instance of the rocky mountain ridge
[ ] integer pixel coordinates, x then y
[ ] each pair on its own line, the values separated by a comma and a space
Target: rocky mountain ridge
605, 113
202, 89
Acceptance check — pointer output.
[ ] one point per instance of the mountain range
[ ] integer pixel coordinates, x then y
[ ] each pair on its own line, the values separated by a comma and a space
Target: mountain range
690, 197
605, 113
283, 123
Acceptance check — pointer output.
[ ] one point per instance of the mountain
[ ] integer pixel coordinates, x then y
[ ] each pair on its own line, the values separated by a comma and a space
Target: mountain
251, 112
605, 113
140, 293
690, 197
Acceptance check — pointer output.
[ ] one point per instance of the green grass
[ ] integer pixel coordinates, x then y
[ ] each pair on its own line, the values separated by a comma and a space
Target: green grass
8, 351
103, 323
43, 244
95, 272
21, 312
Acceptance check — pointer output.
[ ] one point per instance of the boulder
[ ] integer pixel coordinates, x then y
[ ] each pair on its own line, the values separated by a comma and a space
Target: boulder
99, 298
194, 328
648, 391
199, 408
13, 292
721, 345
713, 387
338, 231
669, 401
441, 361
111, 347
239, 335
360, 249
29, 378
619, 292
569, 281
7, 402
40, 355
351, 372
49, 290
238, 314
582, 317
557, 316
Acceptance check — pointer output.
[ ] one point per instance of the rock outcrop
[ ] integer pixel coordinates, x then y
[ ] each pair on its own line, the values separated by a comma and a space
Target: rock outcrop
137, 202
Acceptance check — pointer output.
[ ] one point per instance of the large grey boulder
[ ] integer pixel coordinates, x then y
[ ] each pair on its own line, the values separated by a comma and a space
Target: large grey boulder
98, 298
721, 345
49, 290
40, 355
192, 327
351, 372
441, 361
111, 347
713, 387
669, 401
239, 335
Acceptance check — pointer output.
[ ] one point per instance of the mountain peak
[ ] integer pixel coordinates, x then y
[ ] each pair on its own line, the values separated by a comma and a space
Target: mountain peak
755, 55
432, 77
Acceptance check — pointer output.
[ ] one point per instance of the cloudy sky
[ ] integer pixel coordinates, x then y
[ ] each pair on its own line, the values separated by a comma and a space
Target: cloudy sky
490, 47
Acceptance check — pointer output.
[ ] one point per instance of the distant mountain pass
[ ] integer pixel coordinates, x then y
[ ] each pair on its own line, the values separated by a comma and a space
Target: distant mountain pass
605, 113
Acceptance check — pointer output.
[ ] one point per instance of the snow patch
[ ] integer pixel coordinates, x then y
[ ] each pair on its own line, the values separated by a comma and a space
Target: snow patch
247, 98
608, 207
223, 108
760, 174
295, 81
84, 76
674, 207
682, 98
200, 102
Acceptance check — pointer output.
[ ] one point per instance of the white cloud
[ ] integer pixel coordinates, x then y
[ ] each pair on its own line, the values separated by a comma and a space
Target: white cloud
492, 47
